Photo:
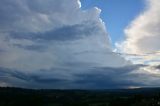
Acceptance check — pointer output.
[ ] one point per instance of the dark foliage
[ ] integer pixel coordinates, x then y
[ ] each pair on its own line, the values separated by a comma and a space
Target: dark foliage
121, 97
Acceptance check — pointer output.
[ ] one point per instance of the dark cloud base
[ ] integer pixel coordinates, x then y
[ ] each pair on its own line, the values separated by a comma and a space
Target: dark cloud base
97, 78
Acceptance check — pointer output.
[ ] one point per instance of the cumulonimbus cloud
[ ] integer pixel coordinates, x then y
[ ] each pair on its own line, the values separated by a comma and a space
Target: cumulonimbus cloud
56, 44
54, 35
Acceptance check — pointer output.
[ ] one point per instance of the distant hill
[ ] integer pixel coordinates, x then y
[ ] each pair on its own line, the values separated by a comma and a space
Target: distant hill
109, 97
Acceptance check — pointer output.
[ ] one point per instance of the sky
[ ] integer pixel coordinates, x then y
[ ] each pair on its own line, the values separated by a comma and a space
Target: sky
116, 14
73, 44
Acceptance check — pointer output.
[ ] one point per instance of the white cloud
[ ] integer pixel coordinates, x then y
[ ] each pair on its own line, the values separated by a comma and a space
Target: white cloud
46, 34
143, 33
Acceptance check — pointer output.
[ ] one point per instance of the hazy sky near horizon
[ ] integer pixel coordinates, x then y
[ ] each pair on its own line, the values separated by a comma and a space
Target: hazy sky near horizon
73, 44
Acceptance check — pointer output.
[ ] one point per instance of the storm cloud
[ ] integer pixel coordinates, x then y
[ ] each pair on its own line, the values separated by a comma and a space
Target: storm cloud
56, 44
